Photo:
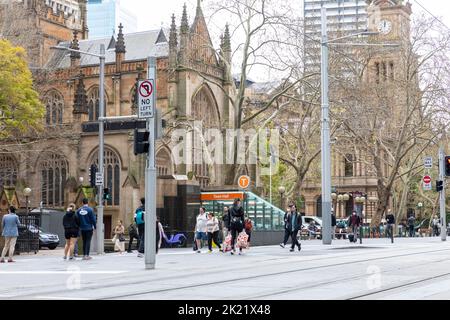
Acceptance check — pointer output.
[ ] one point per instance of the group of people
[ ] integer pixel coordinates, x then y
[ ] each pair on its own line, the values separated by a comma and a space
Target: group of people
233, 223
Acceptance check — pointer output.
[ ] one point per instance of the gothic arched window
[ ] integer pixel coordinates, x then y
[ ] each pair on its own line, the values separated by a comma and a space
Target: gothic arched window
204, 109
94, 104
112, 174
53, 169
8, 171
54, 103
163, 163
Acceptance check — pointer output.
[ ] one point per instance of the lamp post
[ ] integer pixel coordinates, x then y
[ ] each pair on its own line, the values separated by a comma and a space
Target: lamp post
281, 190
101, 165
27, 192
325, 136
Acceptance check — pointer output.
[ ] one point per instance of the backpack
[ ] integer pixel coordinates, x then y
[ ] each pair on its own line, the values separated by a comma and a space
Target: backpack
248, 225
140, 216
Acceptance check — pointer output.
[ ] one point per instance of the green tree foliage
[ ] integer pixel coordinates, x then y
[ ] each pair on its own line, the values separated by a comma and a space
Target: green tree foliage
20, 107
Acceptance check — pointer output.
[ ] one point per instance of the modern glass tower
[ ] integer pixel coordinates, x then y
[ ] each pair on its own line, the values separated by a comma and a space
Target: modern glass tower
343, 16
105, 15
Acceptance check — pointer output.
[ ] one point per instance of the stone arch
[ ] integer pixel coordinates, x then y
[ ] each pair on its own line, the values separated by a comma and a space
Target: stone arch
53, 169
113, 168
204, 106
54, 103
164, 162
93, 99
9, 169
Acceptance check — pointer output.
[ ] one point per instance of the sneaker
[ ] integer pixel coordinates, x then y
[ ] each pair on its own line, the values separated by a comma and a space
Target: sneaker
11, 260
232, 252
282, 245
140, 255
291, 250
65, 257
70, 258
240, 253
198, 251
2, 261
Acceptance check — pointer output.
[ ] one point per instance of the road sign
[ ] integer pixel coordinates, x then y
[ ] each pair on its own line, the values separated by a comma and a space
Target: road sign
244, 182
427, 186
428, 162
427, 179
98, 179
146, 98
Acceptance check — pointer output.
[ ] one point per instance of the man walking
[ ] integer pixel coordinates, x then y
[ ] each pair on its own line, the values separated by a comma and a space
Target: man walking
390, 220
10, 225
354, 222
295, 223
87, 225
140, 222
287, 231
435, 226
411, 221
133, 233
333, 225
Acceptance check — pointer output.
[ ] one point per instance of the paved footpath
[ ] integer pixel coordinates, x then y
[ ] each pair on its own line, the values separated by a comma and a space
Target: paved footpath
408, 269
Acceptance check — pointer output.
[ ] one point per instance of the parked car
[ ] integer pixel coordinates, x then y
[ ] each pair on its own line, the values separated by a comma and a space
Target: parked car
46, 240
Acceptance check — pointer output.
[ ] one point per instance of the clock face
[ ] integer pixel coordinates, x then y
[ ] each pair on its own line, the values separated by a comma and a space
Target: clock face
385, 26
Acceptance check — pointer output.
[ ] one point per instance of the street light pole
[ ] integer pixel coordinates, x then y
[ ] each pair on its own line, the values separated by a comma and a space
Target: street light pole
325, 136
101, 165
442, 195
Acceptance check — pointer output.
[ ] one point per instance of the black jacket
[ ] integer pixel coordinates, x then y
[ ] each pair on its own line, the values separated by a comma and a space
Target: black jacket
226, 220
71, 220
236, 215
333, 220
297, 221
390, 218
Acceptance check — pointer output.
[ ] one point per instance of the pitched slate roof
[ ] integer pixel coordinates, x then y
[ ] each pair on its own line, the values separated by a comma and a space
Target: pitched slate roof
139, 46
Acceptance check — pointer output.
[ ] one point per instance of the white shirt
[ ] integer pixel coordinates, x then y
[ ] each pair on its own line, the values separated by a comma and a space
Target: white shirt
200, 226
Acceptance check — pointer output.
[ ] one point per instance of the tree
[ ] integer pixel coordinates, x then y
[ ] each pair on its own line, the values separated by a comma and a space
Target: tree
20, 108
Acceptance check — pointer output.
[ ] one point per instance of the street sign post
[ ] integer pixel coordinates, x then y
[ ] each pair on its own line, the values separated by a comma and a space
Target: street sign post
99, 179
146, 93
428, 162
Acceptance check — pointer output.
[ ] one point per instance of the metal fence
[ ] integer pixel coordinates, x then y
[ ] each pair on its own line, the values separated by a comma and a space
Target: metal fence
28, 240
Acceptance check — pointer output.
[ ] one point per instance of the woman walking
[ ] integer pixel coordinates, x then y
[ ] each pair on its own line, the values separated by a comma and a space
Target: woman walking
119, 239
71, 225
236, 223
212, 226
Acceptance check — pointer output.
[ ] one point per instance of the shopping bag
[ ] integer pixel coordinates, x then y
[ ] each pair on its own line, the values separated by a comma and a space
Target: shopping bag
227, 243
242, 240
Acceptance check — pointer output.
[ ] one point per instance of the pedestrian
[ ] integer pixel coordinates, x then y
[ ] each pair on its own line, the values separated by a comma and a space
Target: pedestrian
119, 237
140, 222
287, 232
71, 224
236, 223
10, 225
200, 228
435, 226
133, 234
295, 224
212, 227
411, 221
312, 229
159, 234
225, 222
87, 225
354, 222
248, 227
390, 220
333, 224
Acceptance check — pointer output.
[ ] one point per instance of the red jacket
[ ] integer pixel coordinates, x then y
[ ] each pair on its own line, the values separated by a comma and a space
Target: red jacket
354, 221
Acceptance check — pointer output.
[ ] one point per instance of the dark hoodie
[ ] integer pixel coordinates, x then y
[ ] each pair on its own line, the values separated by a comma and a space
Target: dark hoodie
71, 221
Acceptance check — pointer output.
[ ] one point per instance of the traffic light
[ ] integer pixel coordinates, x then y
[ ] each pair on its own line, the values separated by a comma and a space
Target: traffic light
141, 143
439, 185
106, 194
92, 173
447, 166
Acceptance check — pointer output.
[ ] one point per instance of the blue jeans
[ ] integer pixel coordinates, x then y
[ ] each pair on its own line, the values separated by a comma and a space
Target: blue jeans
141, 231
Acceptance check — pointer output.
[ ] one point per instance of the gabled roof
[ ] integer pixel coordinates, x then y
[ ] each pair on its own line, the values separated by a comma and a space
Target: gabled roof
139, 46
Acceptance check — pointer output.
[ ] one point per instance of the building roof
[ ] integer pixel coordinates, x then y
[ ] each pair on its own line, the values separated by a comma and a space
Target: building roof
139, 46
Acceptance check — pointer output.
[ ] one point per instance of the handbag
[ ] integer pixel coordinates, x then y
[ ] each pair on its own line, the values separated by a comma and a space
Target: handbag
121, 238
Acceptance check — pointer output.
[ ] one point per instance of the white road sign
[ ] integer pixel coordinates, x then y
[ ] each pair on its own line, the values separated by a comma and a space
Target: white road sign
146, 98
428, 162
427, 186
98, 179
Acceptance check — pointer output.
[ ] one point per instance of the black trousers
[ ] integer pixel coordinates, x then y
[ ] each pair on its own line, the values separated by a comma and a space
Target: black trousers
132, 237
287, 234
411, 231
141, 230
294, 239
213, 236
87, 237
235, 230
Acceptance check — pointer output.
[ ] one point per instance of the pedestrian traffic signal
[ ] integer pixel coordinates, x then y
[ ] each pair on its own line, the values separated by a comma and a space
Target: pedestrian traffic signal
447, 166
439, 185
106, 194
92, 173
141, 143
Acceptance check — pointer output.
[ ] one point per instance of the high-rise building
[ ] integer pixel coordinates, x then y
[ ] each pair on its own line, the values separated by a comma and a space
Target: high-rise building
343, 16
105, 15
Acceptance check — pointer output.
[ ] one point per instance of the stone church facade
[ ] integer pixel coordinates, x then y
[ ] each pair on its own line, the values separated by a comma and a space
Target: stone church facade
192, 85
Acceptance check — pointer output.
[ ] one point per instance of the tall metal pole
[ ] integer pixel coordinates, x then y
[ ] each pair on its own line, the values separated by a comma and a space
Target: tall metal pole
150, 179
442, 195
101, 166
325, 137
